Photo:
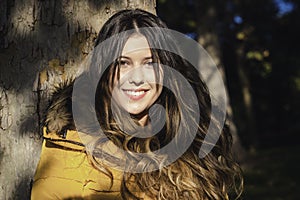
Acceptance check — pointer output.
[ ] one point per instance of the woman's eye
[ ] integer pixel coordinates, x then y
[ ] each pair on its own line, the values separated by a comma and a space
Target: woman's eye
123, 63
149, 64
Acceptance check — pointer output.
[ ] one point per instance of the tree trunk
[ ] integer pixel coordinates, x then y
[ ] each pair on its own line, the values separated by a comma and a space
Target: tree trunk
41, 43
208, 31
250, 125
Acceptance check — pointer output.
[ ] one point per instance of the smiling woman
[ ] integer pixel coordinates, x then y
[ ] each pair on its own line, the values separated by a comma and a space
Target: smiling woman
139, 87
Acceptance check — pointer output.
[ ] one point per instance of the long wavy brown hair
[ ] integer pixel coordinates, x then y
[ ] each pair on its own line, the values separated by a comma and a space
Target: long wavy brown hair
216, 176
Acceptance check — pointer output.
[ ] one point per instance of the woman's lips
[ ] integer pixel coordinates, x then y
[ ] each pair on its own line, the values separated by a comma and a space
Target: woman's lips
135, 94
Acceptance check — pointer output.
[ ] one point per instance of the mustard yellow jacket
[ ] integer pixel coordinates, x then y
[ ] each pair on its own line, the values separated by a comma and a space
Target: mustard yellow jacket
64, 172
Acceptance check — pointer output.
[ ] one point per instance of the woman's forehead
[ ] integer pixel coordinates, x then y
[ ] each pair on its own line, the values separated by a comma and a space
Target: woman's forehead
134, 43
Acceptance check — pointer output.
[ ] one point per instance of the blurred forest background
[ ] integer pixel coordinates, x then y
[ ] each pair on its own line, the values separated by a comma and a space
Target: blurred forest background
256, 43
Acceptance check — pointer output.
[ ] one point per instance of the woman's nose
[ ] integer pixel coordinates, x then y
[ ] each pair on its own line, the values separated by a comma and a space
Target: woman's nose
136, 75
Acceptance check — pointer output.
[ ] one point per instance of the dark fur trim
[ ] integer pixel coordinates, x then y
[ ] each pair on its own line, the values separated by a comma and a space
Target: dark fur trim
58, 117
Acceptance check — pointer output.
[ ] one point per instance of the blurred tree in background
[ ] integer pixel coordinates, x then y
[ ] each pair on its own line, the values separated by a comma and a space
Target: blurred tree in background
256, 43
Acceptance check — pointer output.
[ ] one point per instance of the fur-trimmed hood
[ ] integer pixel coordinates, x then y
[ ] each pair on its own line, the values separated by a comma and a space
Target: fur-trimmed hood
58, 116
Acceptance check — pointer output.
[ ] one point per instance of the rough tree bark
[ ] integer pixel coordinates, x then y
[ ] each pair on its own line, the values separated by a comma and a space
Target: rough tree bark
41, 42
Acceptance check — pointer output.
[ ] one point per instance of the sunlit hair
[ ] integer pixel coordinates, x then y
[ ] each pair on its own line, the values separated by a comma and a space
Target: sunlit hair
216, 176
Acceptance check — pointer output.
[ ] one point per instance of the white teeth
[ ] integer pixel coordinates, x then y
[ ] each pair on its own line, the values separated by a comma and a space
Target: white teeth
134, 93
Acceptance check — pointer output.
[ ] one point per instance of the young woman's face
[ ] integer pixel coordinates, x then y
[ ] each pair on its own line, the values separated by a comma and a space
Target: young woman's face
137, 88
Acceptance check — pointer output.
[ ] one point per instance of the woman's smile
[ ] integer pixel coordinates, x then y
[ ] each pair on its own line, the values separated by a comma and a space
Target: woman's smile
135, 94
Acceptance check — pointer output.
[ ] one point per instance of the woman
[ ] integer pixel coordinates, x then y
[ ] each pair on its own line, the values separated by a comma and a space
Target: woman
140, 106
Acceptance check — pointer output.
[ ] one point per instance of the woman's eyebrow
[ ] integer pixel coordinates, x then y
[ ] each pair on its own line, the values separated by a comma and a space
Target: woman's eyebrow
145, 58
124, 57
